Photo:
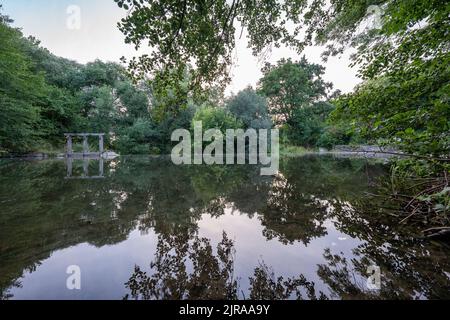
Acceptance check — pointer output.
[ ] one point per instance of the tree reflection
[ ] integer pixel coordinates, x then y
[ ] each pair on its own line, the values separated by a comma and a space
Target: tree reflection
42, 212
185, 267
211, 275
302, 197
412, 267
287, 208
189, 269
343, 280
264, 285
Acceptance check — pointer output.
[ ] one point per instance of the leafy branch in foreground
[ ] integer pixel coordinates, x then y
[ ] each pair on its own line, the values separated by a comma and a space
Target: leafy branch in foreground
203, 33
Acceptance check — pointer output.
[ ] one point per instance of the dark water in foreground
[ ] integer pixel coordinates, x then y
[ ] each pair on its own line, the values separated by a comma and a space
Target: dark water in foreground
153, 230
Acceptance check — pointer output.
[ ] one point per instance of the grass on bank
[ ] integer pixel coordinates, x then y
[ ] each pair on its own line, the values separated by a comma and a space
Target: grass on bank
291, 150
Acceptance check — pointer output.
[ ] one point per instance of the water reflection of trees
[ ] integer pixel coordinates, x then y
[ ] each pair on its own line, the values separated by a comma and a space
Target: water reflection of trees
186, 267
412, 267
211, 275
42, 213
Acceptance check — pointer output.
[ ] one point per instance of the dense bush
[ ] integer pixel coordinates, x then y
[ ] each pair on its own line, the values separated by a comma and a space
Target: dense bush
334, 135
138, 139
216, 118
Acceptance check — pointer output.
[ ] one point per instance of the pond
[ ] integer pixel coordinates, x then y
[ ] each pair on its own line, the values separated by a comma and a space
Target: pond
143, 228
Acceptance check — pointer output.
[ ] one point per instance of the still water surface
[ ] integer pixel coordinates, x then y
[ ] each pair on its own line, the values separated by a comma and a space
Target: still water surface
150, 230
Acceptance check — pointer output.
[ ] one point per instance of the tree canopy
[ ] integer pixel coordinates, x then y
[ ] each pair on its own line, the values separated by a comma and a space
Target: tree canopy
43, 96
387, 33
401, 51
21, 92
251, 108
290, 86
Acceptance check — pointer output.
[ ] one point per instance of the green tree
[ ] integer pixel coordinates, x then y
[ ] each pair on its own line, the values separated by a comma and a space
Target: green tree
417, 117
171, 94
21, 93
337, 134
297, 99
58, 72
251, 108
139, 138
134, 101
308, 124
400, 39
216, 118
44, 96
204, 31
290, 86
98, 109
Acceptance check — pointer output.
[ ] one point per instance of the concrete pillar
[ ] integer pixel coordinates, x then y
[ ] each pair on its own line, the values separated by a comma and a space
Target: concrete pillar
85, 145
101, 166
86, 167
69, 163
100, 144
69, 146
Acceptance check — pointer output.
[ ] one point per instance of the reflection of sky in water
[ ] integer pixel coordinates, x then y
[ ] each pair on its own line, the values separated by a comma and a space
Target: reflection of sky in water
286, 260
106, 269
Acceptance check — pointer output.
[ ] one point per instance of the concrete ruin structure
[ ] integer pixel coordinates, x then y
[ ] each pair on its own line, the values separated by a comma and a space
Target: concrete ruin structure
86, 152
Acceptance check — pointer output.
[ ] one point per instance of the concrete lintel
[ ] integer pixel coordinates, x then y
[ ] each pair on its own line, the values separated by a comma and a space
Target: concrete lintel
84, 134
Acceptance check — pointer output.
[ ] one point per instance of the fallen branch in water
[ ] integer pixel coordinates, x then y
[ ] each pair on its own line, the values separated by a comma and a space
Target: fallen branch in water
413, 156
436, 228
421, 201
409, 216
401, 154
441, 231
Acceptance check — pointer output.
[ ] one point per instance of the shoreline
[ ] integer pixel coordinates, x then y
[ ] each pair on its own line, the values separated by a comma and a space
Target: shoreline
341, 154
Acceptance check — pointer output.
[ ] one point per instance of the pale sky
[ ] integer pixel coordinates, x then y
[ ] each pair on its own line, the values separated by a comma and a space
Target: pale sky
99, 38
